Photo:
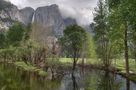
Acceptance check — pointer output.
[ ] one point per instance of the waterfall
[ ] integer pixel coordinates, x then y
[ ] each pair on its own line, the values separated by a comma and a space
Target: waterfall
33, 17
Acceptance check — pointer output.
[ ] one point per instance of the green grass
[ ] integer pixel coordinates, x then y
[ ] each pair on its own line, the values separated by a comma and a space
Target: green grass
120, 64
70, 60
29, 67
66, 60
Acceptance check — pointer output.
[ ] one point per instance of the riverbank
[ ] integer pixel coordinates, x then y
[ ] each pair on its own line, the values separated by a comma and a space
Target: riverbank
66, 64
114, 70
118, 66
13, 78
131, 77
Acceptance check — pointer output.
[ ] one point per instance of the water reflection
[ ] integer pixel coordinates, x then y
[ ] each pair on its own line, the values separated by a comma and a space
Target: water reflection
11, 78
107, 81
75, 86
127, 84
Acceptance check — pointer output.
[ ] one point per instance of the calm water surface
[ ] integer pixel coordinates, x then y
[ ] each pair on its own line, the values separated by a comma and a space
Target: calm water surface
12, 78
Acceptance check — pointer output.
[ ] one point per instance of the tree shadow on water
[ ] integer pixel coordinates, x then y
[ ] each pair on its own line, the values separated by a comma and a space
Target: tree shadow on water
75, 85
107, 81
127, 84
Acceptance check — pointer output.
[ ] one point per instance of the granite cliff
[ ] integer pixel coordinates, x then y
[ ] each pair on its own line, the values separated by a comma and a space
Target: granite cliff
48, 17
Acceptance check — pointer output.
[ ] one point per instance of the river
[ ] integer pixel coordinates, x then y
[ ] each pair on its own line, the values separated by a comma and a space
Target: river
12, 78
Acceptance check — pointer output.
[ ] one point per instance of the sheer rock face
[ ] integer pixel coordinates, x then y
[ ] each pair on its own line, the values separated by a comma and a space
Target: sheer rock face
50, 17
25, 15
9, 15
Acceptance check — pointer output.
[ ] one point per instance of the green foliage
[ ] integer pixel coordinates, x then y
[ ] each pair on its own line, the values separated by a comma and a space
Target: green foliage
114, 3
73, 39
131, 19
15, 34
90, 47
29, 67
109, 32
32, 52
116, 33
2, 39
75, 35
28, 30
102, 31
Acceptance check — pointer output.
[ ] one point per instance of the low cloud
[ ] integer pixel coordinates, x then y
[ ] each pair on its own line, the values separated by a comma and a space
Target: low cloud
81, 10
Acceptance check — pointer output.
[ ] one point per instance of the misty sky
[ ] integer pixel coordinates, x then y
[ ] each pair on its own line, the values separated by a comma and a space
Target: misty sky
80, 9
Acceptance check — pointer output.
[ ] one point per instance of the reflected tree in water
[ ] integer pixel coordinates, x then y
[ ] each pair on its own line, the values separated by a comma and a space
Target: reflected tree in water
127, 84
107, 82
75, 85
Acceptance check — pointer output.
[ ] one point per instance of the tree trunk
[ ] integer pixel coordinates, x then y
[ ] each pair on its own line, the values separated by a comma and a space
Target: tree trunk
83, 63
74, 64
126, 49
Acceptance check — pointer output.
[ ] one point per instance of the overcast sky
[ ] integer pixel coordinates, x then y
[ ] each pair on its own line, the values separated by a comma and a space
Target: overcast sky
80, 9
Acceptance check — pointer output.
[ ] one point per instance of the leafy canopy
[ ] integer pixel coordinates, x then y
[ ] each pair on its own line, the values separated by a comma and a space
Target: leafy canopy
15, 34
74, 38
